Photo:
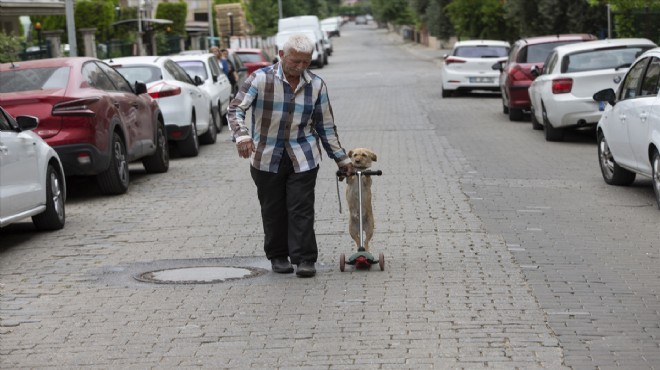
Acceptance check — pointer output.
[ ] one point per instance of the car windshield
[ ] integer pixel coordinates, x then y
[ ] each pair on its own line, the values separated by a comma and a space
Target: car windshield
538, 53
481, 51
144, 74
34, 79
591, 60
249, 57
194, 68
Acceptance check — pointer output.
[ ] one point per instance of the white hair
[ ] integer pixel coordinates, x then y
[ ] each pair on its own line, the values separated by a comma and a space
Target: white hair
298, 42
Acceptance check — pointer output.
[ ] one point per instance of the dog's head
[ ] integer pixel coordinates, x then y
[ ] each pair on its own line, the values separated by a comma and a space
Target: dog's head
362, 157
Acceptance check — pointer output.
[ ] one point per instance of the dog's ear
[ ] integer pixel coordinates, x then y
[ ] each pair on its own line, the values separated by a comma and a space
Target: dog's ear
372, 155
350, 153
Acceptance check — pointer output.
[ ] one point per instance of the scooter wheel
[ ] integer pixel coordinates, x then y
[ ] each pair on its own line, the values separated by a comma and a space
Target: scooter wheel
381, 261
342, 262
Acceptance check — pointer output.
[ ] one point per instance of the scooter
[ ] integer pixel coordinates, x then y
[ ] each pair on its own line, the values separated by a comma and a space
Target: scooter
360, 259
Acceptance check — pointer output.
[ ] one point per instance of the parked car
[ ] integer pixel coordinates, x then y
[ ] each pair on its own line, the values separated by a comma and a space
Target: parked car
469, 66
32, 182
628, 132
93, 118
331, 26
187, 109
253, 58
240, 68
360, 19
215, 82
561, 95
516, 76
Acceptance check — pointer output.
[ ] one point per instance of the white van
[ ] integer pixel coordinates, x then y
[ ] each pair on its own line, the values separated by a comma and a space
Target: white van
307, 22
318, 56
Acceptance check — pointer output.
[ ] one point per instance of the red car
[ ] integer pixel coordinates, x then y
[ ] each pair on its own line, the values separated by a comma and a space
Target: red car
516, 76
95, 120
253, 59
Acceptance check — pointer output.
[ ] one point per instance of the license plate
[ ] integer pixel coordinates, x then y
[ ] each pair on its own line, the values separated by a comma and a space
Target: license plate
601, 105
481, 80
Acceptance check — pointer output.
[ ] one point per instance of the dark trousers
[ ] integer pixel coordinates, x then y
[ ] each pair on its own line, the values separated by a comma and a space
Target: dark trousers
287, 211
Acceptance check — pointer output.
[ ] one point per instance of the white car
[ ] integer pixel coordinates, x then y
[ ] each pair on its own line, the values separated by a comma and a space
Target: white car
469, 66
32, 182
318, 54
628, 132
561, 95
216, 83
187, 109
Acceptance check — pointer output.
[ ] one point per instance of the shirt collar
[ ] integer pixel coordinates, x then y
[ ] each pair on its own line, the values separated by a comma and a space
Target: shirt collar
280, 74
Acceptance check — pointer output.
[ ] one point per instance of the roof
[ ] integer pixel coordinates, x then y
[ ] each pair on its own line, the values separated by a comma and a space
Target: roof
482, 42
556, 38
600, 44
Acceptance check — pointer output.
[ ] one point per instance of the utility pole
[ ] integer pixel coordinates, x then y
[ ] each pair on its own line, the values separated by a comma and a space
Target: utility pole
211, 42
279, 7
71, 28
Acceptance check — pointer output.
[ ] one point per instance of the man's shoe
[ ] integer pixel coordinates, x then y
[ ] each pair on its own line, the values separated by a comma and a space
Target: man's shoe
281, 265
306, 269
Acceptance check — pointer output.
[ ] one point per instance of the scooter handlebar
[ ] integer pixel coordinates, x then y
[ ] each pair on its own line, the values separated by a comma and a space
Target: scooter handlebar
341, 173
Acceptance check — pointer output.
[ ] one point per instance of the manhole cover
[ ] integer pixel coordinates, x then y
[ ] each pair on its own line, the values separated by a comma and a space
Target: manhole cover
198, 275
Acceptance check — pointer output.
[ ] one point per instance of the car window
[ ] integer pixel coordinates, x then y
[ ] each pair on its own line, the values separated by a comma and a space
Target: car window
214, 67
34, 79
145, 74
96, 78
5, 124
651, 82
117, 79
537, 53
481, 51
194, 68
550, 63
631, 82
177, 72
249, 57
591, 60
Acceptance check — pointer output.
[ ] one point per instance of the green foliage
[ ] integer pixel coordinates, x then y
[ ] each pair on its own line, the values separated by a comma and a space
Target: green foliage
478, 19
262, 15
176, 12
10, 47
393, 11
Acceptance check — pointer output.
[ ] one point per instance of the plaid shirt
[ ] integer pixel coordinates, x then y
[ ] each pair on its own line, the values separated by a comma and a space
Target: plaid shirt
282, 120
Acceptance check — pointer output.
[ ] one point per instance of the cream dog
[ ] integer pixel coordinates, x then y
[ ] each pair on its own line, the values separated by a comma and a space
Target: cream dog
361, 158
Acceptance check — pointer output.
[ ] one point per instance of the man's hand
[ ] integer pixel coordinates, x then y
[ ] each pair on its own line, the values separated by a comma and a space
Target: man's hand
245, 148
347, 169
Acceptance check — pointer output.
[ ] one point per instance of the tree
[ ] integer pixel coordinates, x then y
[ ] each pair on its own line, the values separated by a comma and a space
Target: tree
393, 11
175, 12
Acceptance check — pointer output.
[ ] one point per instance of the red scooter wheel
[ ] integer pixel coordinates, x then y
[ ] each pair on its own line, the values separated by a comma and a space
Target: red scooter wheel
381, 261
342, 262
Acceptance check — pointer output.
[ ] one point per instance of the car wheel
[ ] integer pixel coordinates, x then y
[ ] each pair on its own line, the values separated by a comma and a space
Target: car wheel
613, 174
190, 146
158, 162
551, 133
319, 62
515, 114
535, 123
114, 180
54, 216
211, 134
217, 118
655, 168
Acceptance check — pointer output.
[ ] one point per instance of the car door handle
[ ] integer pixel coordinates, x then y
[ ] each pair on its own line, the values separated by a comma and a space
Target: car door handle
643, 116
622, 117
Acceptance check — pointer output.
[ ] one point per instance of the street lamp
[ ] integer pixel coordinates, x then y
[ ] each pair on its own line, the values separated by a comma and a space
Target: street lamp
231, 28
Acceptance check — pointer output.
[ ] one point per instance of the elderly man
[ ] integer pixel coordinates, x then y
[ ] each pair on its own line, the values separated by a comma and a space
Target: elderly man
291, 120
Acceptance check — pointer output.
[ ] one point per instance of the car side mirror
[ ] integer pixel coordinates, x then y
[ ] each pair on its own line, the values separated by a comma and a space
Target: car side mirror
607, 95
215, 78
198, 80
498, 66
27, 122
536, 71
140, 88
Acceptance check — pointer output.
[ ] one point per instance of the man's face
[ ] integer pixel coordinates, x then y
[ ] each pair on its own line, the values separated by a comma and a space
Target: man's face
295, 63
